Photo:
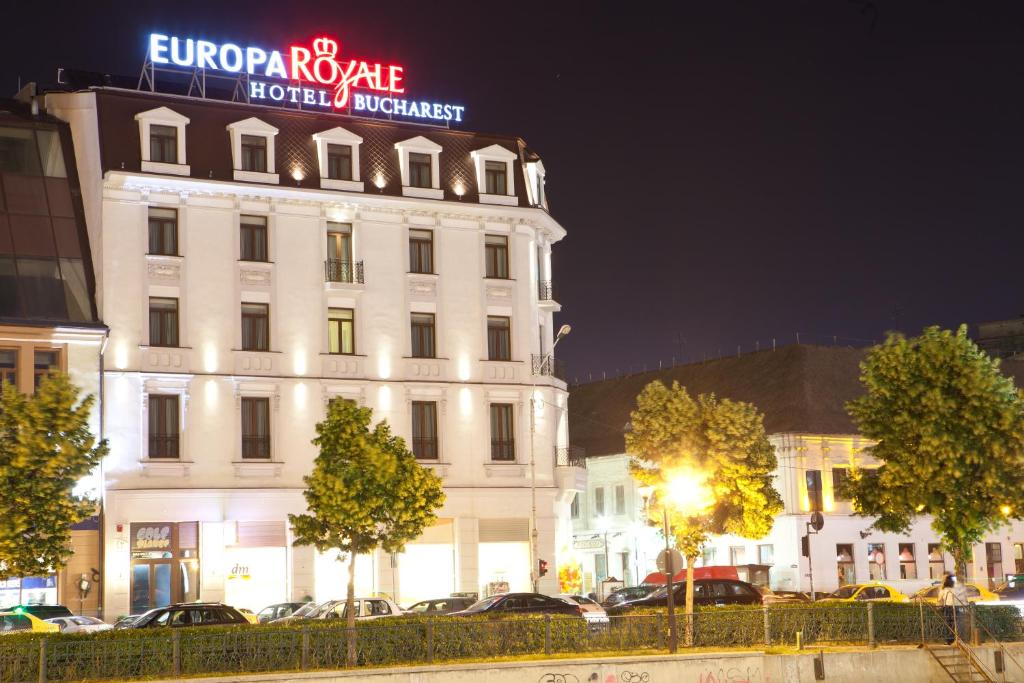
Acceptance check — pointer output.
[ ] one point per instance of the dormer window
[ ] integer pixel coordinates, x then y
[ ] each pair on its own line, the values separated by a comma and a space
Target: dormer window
252, 151
419, 162
535, 184
338, 154
494, 177
162, 138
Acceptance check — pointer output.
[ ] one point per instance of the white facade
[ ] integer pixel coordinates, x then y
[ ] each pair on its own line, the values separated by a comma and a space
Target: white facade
243, 552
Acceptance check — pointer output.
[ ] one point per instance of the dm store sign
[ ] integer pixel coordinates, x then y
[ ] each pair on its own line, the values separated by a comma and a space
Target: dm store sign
317, 75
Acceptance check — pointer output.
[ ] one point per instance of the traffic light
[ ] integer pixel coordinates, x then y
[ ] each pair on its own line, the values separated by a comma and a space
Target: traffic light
805, 546
542, 567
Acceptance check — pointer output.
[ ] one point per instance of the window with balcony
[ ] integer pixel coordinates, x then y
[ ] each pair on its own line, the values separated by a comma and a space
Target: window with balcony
163, 426
496, 256
421, 251
424, 430
253, 238
495, 177
340, 267
163, 231
339, 162
423, 335
499, 338
254, 153
419, 170
341, 336
44, 362
255, 428
255, 327
163, 321
9, 367
503, 443
163, 144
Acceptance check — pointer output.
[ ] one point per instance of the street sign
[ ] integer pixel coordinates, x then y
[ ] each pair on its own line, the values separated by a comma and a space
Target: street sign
677, 560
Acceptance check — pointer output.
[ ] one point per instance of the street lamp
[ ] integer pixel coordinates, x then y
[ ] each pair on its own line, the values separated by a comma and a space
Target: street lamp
563, 331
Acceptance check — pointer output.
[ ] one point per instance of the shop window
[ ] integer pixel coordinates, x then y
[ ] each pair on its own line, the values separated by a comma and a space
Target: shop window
813, 479
876, 561
255, 428
503, 446
424, 430
9, 367
844, 561
499, 338
255, 327
766, 554
601, 567
936, 561
163, 426
163, 231
253, 238
908, 562
496, 256
163, 321
423, 335
164, 565
340, 331
840, 484
421, 251
45, 362
620, 499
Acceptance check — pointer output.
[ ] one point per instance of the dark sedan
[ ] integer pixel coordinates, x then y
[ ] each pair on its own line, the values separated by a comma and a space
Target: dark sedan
621, 595
440, 606
190, 614
706, 592
520, 603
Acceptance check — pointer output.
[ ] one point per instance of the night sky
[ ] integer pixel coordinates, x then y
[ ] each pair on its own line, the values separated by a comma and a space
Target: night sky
728, 172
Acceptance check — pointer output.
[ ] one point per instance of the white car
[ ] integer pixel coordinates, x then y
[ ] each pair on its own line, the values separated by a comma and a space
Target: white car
366, 608
592, 611
80, 624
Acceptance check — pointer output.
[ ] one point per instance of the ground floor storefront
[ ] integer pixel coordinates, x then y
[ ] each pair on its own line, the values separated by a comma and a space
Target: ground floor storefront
235, 546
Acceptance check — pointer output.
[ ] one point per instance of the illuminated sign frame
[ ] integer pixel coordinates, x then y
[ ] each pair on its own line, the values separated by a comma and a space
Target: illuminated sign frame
306, 76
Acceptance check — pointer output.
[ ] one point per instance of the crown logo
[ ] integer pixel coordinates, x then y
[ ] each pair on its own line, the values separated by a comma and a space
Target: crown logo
325, 47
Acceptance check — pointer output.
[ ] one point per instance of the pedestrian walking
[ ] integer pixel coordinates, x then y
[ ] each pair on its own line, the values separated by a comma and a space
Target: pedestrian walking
947, 603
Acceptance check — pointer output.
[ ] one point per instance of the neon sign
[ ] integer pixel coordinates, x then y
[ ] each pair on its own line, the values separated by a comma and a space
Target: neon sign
316, 76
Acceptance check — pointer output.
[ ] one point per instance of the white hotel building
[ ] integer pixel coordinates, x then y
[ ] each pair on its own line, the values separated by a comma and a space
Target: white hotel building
253, 263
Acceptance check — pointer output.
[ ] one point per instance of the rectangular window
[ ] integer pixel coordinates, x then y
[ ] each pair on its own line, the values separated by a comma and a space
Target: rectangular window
599, 501
421, 251
737, 555
419, 170
424, 430
341, 331
1018, 558
496, 256
253, 238
163, 144
766, 554
709, 555
339, 162
163, 321
813, 479
936, 561
423, 335
255, 428
840, 484
45, 362
844, 564
876, 561
908, 561
601, 567
254, 153
503, 444
163, 426
9, 367
494, 175
163, 231
499, 338
574, 508
620, 499
255, 327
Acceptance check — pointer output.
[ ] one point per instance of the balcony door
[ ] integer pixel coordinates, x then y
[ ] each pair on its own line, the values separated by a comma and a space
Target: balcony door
339, 245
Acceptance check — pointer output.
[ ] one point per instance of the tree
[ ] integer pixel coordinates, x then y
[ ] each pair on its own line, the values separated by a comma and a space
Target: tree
45, 450
947, 427
710, 465
366, 491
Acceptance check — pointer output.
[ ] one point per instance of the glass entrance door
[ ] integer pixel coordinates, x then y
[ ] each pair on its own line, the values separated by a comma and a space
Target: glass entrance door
152, 585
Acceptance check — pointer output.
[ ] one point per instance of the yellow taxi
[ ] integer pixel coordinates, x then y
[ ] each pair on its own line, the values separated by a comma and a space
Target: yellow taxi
975, 593
249, 615
861, 592
17, 621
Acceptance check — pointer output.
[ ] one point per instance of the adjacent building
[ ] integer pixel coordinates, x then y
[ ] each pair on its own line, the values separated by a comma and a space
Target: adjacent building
802, 391
255, 263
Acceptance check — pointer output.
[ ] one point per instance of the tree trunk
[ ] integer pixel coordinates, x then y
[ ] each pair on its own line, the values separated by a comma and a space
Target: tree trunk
689, 600
350, 609
960, 555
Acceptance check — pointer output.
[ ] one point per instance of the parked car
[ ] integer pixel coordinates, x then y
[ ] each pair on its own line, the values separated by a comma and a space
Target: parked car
280, 610
860, 592
12, 621
366, 608
439, 606
621, 595
592, 610
770, 597
1010, 593
975, 593
80, 624
42, 611
249, 615
521, 603
126, 621
706, 592
191, 614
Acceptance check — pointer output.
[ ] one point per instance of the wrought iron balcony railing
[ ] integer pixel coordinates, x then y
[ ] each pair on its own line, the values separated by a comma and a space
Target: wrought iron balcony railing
343, 271
551, 367
545, 291
570, 456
